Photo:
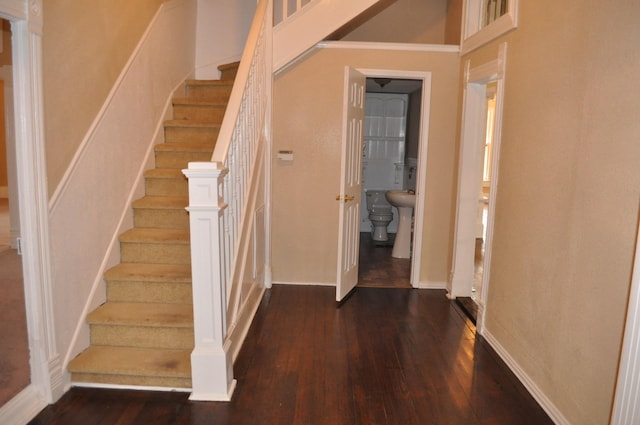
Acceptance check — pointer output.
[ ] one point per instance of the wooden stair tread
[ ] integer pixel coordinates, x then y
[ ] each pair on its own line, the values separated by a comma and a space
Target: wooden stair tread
143, 314
192, 123
150, 272
197, 101
161, 202
164, 173
151, 235
230, 65
209, 82
110, 360
183, 147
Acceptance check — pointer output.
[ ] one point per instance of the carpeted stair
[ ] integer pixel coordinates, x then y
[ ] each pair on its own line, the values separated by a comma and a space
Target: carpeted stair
143, 334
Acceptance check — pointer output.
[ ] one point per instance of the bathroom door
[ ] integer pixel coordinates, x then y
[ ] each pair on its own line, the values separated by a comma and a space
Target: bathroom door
350, 182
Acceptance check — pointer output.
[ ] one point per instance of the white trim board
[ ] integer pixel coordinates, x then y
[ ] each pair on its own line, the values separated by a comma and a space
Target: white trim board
46, 372
364, 45
401, 47
432, 285
274, 283
23, 407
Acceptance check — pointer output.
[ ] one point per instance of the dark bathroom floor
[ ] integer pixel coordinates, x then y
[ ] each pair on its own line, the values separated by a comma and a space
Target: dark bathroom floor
378, 268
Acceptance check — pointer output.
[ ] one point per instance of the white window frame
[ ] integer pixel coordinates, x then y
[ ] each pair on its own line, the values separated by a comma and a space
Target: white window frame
475, 35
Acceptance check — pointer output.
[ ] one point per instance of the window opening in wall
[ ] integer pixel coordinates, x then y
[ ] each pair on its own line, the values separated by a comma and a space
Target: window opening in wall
486, 20
493, 9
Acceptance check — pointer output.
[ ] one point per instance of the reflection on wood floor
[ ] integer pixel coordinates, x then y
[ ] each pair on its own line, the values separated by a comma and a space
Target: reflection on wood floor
470, 304
386, 357
378, 268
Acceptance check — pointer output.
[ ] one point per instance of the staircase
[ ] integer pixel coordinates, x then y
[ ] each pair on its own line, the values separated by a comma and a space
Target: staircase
143, 334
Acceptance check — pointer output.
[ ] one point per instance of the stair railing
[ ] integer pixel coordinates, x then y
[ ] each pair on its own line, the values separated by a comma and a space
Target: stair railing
283, 9
222, 199
301, 24
229, 196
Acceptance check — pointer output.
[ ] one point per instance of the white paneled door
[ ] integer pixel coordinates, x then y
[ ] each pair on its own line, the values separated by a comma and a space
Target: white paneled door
350, 183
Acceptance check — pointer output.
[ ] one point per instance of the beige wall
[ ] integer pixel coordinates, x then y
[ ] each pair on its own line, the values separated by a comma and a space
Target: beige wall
4, 178
308, 119
5, 60
567, 199
5, 55
85, 46
404, 21
453, 23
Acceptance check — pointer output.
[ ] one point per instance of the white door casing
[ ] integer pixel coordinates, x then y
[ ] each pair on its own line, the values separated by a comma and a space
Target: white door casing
350, 182
469, 177
46, 370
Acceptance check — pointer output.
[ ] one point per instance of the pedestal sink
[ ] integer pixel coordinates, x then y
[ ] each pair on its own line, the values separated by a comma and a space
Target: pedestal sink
404, 201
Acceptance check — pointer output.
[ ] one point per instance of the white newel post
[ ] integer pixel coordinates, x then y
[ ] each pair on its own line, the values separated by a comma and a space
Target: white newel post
211, 363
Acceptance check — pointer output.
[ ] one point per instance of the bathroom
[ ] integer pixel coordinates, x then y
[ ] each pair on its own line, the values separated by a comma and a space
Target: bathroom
390, 162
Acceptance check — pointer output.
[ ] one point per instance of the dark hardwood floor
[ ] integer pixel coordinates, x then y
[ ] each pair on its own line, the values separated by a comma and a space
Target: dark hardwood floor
377, 268
385, 356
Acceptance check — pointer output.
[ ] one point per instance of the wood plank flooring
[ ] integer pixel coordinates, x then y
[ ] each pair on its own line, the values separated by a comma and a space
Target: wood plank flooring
386, 356
378, 269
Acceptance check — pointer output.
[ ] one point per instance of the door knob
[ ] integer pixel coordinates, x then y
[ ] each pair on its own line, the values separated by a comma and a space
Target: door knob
347, 198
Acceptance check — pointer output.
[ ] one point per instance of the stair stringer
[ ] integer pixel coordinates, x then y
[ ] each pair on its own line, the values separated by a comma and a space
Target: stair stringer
310, 25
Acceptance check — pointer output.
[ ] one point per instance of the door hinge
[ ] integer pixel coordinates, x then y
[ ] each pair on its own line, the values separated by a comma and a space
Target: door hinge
19, 245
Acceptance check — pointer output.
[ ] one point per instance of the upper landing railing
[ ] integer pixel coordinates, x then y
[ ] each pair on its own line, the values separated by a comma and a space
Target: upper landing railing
284, 9
301, 24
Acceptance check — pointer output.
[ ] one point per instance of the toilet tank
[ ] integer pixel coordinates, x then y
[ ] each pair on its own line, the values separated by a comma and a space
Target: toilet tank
377, 201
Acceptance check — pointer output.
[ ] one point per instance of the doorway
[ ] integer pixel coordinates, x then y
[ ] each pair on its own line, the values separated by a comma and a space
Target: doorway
390, 162
14, 352
46, 374
406, 274
477, 182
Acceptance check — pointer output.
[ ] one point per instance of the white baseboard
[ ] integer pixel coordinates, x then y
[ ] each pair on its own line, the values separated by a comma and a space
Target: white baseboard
432, 285
304, 283
544, 402
130, 387
23, 407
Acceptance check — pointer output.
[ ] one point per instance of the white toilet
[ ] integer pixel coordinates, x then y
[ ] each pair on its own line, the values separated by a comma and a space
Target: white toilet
380, 214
